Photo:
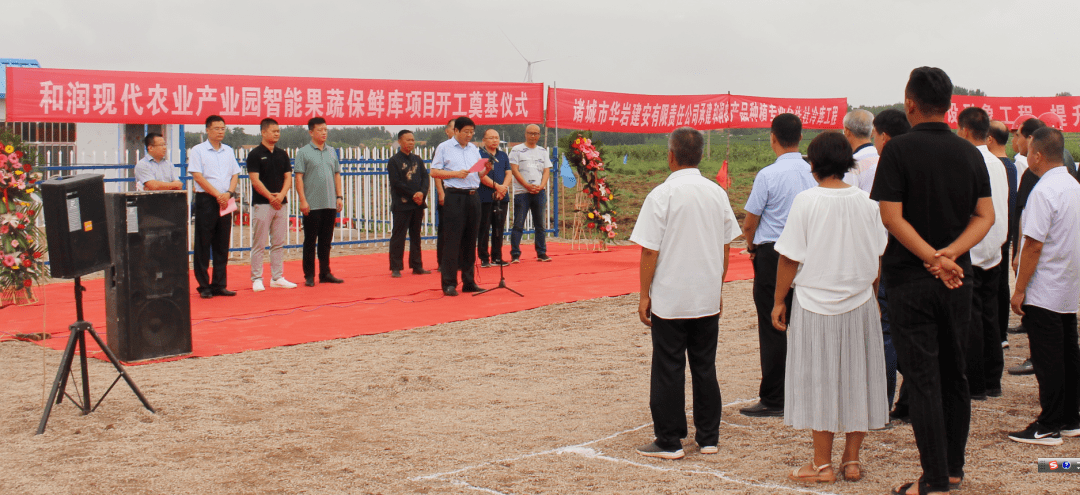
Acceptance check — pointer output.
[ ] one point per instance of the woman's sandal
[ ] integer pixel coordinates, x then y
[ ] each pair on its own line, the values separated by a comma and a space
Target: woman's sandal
817, 477
844, 471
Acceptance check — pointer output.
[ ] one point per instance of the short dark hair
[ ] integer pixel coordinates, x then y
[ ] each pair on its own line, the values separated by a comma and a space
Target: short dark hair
999, 133
1030, 126
149, 139
314, 121
892, 122
688, 145
1048, 141
266, 123
976, 120
830, 155
213, 118
463, 122
402, 133
788, 129
931, 90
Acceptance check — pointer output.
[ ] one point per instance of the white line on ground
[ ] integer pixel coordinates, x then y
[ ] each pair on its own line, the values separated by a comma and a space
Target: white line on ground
558, 450
590, 453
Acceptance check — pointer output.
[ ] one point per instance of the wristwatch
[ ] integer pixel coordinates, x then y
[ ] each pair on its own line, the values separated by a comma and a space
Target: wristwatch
341, 197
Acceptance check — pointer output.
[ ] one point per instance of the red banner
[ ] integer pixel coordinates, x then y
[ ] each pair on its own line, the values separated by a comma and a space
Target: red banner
64, 95
815, 113
621, 112
1007, 109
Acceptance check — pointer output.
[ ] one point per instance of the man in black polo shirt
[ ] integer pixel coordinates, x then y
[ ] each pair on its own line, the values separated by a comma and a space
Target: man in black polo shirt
271, 178
408, 193
934, 193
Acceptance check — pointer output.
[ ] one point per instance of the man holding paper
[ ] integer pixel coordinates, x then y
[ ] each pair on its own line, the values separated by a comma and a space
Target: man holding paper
457, 162
214, 168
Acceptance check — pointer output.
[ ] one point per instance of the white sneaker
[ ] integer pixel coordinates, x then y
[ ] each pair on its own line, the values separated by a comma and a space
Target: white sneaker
257, 286
281, 283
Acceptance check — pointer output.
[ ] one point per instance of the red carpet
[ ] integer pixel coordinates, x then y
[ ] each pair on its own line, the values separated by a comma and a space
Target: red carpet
369, 302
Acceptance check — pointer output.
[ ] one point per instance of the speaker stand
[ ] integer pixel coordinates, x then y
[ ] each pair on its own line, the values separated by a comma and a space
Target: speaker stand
79, 329
502, 279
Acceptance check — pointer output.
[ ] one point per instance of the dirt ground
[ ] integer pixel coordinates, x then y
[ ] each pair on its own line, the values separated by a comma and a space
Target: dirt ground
551, 400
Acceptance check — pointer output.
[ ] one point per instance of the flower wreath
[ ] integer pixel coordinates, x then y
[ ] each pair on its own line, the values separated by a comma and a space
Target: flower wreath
22, 249
585, 157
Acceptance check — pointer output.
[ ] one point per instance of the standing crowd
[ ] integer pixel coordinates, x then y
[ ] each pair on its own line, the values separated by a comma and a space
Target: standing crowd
886, 249
472, 203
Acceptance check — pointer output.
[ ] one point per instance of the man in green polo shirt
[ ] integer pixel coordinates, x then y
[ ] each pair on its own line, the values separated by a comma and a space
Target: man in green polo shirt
318, 183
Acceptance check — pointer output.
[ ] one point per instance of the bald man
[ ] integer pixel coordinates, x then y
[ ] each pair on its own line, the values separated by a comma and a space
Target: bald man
531, 167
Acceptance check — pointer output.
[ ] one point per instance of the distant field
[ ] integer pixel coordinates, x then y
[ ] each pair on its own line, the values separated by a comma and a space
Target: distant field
646, 166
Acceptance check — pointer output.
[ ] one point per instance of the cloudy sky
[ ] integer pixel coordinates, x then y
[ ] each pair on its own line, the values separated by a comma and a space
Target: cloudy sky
783, 48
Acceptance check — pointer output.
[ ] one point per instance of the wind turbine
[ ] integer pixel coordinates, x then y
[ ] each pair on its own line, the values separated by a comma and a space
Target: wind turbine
529, 63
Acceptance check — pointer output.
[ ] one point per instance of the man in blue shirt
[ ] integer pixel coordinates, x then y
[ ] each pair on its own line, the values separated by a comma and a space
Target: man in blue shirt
154, 172
767, 209
216, 172
461, 209
494, 199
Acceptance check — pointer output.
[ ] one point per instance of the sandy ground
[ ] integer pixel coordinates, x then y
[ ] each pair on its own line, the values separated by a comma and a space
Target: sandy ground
551, 400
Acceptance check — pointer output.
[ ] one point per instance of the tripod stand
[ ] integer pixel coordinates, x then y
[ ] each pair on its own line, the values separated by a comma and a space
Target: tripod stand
79, 329
502, 278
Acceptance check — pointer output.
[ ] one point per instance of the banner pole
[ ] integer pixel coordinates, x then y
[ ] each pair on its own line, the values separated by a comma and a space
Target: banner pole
558, 190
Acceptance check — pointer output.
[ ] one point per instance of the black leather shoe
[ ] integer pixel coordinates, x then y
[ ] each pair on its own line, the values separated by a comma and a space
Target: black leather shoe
993, 392
329, 278
499, 263
978, 396
1017, 329
224, 292
485, 264
395, 273
1025, 368
205, 294
471, 288
421, 272
310, 282
450, 290
760, 410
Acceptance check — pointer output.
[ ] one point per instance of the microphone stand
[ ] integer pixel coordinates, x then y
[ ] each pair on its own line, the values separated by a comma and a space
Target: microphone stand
502, 278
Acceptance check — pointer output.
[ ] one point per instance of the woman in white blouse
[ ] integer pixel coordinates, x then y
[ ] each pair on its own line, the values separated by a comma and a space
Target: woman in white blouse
835, 381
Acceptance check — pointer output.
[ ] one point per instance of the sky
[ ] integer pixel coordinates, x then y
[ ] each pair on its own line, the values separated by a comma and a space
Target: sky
862, 50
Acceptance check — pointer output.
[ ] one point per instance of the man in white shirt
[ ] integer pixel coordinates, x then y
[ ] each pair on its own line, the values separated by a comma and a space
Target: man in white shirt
214, 169
858, 124
531, 167
985, 359
685, 229
1048, 289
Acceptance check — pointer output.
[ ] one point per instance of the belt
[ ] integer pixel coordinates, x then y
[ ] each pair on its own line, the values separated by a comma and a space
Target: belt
452, 190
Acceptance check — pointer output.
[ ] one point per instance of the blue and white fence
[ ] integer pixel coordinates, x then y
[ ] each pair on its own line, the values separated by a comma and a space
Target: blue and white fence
364, 220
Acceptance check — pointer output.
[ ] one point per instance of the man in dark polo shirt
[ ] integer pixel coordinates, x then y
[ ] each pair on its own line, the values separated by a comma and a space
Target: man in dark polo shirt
270, 171
494, 200
934, 193
408, 192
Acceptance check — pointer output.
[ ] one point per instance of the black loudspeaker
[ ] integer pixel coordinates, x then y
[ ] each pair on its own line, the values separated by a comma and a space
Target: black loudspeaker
75, 227
147, 300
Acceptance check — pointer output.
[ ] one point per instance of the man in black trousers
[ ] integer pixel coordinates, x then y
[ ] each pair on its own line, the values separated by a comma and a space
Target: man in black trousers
215, 171
461, 210
767, 209
934, 193
408, 192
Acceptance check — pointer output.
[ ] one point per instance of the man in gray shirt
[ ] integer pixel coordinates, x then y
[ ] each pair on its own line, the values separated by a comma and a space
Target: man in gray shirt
154, 172
318, 183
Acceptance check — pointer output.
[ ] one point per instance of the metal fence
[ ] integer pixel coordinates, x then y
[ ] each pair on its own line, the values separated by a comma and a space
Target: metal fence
365, 218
